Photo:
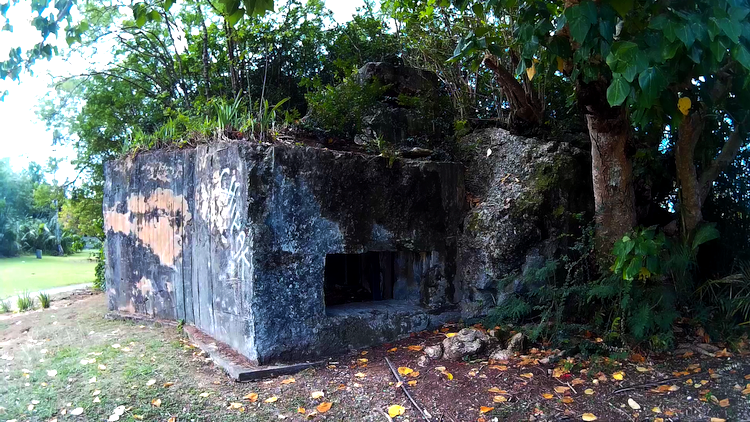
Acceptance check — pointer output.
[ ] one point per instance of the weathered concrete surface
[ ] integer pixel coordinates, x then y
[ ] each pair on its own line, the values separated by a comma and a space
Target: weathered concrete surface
232, 237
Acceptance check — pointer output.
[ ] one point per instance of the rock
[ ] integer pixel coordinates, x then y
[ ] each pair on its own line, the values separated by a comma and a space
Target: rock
468, 341
501, 354
525, 195
434, 352
423, 361
515, 344
415, 152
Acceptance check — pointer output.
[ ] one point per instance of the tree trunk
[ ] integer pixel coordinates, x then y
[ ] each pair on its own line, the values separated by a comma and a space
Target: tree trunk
233, 76
689, 133
204, 55
523, 105
612, 173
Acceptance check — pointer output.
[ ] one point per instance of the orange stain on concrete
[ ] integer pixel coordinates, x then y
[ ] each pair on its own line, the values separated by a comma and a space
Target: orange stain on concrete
153, 220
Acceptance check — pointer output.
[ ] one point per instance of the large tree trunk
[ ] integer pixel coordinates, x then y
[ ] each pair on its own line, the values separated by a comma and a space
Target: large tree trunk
611, 168
612, 173
687, 176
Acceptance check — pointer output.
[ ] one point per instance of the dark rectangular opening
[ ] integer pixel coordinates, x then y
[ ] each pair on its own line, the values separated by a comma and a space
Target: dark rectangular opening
352, 278
378, 276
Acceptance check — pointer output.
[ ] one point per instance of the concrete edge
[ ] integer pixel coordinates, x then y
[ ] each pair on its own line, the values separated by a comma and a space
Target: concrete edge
244, 373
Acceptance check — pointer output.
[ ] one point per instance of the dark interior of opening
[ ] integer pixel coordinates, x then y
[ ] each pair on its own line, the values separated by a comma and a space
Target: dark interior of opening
351, 278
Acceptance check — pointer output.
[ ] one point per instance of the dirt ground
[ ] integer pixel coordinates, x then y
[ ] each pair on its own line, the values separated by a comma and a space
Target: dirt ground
68, 363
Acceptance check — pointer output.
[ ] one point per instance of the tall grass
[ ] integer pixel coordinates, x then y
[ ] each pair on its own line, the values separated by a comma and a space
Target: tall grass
44, 300
25, 301
4, 306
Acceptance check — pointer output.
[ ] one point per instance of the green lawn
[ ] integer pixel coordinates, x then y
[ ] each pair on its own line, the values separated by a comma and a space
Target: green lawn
29, 273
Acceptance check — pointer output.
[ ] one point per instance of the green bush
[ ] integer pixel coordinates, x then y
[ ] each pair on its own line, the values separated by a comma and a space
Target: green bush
99, 280
25, 302
44, 300
339, 109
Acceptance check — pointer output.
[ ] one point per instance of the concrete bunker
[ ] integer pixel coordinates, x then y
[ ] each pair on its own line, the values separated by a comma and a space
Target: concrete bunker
284, 253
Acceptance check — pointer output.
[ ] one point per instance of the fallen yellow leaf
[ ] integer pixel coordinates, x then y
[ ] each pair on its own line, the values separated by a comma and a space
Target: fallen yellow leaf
393, 350
718, 420
324, 407
724, 403
658, 419
485, 409
362, 360
588, 392
317, 394
415, 348
252, 397
150, 382
301, 410
271, 399
561, 389
204, 394
289, 381
567, 400
619, 375
172, 419
139, 417
499, 399
360, 375
641, 369
404, 370
497, 391
448, 375
449, 335
528, 375
548, 396
156, 402
235, 405
656, 409
412, 383
168, 384
395, 410
589, 417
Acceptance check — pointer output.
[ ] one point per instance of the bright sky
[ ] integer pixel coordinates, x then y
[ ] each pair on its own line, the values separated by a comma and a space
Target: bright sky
23, 137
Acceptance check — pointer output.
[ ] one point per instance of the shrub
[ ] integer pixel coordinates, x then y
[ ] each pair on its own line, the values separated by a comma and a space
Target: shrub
25, 302
339, 109
44, 300
99, 281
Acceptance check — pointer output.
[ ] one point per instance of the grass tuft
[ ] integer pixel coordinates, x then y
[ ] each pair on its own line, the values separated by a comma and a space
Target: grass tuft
4, 306
44, 300
25, 302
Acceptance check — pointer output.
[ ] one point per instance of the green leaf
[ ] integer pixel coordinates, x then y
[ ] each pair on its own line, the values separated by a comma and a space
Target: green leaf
168, 4
740, 53
621, 6
236, 16
578, 22
669, 50
719, 48
634, 267
652, 82
713, 28
478, 9
618, 91
685, 33
738, 14
731, 29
